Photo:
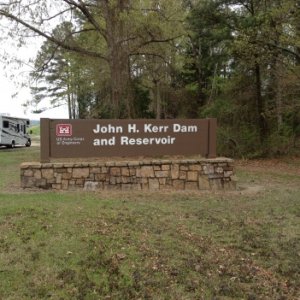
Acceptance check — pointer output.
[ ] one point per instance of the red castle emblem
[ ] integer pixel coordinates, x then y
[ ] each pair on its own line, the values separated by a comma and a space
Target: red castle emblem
63, 130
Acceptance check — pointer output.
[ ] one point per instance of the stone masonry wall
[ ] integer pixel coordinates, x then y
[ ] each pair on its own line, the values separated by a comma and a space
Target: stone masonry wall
191, 174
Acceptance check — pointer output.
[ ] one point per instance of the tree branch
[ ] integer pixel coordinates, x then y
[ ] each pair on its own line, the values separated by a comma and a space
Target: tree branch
275, 46
51, 38
84, 10
153, 40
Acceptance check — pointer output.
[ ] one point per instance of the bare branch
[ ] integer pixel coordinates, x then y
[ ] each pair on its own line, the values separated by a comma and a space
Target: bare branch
154, 40
59, 43
56, 15
83, 8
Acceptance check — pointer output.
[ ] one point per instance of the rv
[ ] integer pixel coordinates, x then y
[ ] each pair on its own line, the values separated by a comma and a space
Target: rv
14, 131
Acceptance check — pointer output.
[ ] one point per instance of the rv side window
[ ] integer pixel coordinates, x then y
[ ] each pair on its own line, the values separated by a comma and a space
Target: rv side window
18, 127
13, 127
5, 124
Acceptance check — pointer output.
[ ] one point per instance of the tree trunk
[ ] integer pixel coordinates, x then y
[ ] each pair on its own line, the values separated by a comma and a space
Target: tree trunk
201, 96
260, 105
157, 100
69, 104
118, 60
73, 106
278, 96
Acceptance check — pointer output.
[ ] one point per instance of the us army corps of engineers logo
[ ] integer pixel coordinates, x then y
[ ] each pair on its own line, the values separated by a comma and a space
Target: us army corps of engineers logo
63, 130
64, 136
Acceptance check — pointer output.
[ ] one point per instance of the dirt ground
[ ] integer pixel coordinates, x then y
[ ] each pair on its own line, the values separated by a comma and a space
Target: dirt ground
283, 165
255, 176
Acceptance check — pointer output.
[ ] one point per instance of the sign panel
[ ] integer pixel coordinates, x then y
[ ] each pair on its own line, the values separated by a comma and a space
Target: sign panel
96, 138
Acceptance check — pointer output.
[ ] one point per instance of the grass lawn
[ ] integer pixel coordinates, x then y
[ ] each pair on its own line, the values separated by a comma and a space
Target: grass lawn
77, 245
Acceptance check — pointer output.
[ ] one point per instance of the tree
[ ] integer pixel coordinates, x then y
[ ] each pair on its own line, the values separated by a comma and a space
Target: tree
103, 31
209, 25
263, 45
52, 73
259, 54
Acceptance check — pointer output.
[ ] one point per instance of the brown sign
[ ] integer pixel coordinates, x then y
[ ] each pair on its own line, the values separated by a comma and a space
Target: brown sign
95, 138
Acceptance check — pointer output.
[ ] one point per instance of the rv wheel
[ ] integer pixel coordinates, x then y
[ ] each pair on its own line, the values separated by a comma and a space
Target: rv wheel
28, 144
12, 145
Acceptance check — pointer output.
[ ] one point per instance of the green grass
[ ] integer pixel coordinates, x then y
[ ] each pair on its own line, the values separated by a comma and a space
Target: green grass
10, 159
76, 245
35, 130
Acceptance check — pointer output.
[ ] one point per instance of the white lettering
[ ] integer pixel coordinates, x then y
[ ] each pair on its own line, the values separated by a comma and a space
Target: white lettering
105, 142
183, 128
126, 141
132, 128
154, 129
147, 127
108, 129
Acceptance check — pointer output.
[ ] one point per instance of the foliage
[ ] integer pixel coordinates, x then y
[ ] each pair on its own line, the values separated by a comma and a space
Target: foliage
234, 60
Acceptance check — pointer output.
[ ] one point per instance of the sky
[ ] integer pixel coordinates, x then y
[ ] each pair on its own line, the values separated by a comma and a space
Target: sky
13, 96
12, 105
14, 76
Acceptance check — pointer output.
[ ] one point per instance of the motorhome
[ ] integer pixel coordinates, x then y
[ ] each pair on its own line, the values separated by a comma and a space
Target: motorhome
14, 131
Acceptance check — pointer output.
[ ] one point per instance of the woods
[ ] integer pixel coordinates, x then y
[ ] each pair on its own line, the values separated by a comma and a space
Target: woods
236, 60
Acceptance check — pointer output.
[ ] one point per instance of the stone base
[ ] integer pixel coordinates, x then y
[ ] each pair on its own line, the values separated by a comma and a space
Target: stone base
190, 174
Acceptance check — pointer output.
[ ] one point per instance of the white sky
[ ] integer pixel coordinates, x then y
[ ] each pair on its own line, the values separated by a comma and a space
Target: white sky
14, 76
12, 105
